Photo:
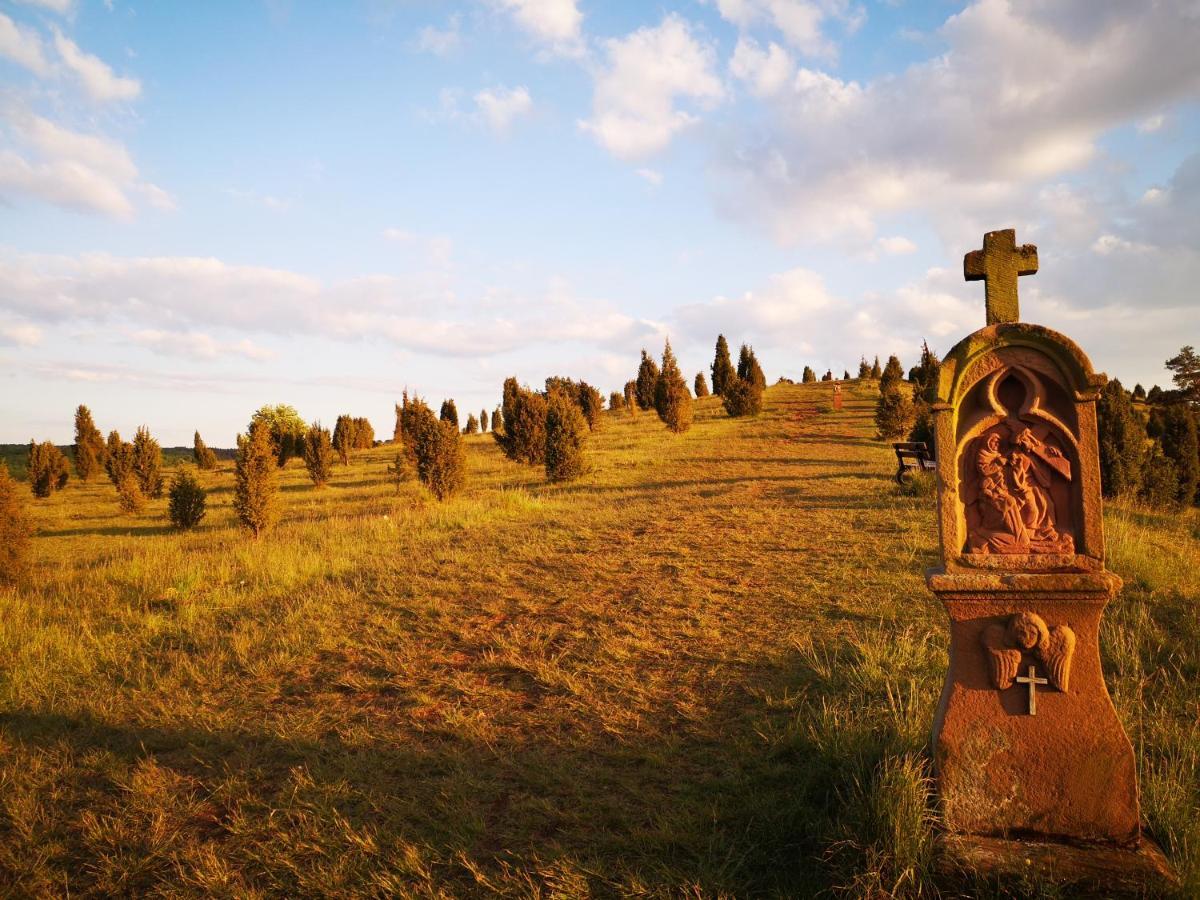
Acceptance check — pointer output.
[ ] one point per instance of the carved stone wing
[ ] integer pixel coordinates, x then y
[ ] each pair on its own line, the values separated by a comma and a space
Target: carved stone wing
1056, 653
1003, 660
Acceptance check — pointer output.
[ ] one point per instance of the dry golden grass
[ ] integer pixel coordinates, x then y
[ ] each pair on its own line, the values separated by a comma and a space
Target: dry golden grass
707, 668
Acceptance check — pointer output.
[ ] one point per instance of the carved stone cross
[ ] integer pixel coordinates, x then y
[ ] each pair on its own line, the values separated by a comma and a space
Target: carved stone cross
998, 264
1033, 681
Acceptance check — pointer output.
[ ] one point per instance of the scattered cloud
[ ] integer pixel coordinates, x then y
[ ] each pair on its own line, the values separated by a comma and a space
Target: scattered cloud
895, 245
20, 334
197, 345
1022, 94
766, 72
62, 7
24, 47
499, 107
557, 24
635, 105
72, 170
441, 41
1153, 123
800, 22
266, 201
651, 175
95, 75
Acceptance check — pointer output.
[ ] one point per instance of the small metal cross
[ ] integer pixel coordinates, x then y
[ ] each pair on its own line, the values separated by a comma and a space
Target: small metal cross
1033, 681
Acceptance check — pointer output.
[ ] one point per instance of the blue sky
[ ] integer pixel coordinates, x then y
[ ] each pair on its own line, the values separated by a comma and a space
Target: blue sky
209, 207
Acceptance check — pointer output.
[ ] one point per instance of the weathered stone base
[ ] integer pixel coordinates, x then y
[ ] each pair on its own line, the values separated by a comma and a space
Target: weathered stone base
1085, 870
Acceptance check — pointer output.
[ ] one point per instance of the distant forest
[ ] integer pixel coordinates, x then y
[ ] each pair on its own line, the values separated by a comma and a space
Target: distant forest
17, 456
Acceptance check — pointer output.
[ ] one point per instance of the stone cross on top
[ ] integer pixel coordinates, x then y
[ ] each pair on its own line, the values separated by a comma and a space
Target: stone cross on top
998, 264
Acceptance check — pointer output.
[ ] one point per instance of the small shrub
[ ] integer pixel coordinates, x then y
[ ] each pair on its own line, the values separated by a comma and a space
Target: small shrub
743, 398
130, 498
524, 414
864, 368
483, 421
700, 385
343, 438
809, 375
119, 458
255, 489
876, 372
1160, 481
436, 449
472, 426
400, 470
893, 373
363, 433
566, 430
147, 463
186, 501
894, 414
89, 445
591, 404
48, 469
631, 403
672, 401
616, 401
647, 381
722, 367
203, 457
318, 454
15, 530
449, 413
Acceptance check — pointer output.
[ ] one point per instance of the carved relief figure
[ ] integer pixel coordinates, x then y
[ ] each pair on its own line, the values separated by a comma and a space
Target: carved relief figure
1005, 645
1010, 508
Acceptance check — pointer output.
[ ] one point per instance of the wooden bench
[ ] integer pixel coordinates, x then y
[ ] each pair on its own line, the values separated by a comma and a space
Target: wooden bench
912, 456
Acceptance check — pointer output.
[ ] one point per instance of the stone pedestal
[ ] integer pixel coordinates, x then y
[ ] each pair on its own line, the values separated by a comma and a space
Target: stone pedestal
1066, 772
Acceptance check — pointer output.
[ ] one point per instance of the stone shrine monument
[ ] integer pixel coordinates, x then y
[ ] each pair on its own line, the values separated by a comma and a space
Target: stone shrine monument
1033, 767
837, 396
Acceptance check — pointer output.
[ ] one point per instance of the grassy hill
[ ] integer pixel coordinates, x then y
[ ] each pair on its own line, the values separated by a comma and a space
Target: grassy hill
707, 668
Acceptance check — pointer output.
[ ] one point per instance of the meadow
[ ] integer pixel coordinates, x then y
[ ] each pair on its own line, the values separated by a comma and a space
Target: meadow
707, 668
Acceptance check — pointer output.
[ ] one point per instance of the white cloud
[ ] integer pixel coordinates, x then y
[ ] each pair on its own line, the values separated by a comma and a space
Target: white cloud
498, 107
97, 79
62, 7
1152, 123
1022, 94
72, 170
203, 308
20, 334
801, 22
765, 71
895, 245
23, 46
651, 175
634, 106
556, 23
441, 41
437, 250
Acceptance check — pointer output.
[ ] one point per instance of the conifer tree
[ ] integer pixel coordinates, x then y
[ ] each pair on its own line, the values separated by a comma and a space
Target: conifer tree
343, 438
449, 413
701, 386
876, 372
287, 430
472, 426
1154, 395
755, 373
1175, 426
591, 404
742, 397
1139, 392
566, 431
147, 463
318, 454
524, 415
743, 366
400, 470
497, 421
893, 373
118, 458
631, 403
434, 447
483, 421
15, 530
616, 401
846, 375
1159, 486
672, 400
398, 431
1122, 439
362, 434
894, 413
809, 375
647, 381
255, 488
187, 501
864, 368
828, 376
1186, 368
130, 498
203, 457
89, 445
48, 471
722, 367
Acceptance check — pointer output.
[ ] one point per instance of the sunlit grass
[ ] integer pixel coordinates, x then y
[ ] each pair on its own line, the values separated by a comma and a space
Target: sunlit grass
707, 668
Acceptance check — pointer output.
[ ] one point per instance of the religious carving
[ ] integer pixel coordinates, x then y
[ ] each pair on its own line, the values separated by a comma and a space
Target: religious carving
1006, 646
1010, 506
